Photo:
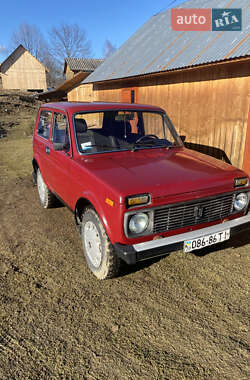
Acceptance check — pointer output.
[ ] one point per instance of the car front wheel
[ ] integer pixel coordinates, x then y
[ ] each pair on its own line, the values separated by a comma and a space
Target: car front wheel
97, 248
47, 199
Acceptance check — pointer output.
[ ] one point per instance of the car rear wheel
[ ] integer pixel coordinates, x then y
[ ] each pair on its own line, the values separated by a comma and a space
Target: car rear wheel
98, 250
47, 199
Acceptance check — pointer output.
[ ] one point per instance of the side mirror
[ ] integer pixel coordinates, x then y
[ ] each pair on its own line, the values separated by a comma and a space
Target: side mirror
183, 138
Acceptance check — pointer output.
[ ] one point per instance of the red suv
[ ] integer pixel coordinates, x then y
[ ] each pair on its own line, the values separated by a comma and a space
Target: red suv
136, 192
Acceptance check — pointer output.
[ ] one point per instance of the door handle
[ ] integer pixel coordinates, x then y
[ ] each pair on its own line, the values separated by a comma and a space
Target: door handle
47, 150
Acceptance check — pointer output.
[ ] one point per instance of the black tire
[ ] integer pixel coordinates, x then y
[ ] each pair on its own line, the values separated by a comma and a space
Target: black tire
98, 250
46, 197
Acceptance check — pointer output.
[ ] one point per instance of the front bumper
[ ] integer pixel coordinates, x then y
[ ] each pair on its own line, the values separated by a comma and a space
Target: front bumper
153, 248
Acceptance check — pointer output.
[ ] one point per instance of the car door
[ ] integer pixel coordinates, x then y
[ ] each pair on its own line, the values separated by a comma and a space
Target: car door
60, 160
42, 143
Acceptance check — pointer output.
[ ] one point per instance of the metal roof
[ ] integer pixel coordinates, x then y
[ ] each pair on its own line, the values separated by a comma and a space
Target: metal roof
83, 64
155, 47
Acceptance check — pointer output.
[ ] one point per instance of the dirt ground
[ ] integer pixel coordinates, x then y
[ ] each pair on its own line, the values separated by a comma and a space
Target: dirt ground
17, 113
184, 316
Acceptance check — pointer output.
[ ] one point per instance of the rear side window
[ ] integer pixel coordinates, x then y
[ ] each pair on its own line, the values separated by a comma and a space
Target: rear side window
60, 129
44, 124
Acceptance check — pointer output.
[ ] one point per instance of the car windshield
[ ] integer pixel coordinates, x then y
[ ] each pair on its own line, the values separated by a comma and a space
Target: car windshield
109, 131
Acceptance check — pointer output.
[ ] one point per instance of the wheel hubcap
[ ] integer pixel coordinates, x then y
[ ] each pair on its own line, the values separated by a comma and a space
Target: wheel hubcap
92, 242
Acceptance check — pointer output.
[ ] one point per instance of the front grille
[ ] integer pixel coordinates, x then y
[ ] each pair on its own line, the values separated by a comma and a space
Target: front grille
188, 214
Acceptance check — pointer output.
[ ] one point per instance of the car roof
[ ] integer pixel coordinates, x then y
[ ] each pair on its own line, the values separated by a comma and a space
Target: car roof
73, 107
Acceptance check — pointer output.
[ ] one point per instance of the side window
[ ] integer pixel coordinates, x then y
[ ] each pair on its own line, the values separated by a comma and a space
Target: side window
93, 120
60, 129
44, 124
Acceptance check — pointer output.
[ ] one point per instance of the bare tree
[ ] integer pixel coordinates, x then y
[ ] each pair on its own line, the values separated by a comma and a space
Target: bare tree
54, 74
31, 38
65, 41
108, 49
69, 41
3, 50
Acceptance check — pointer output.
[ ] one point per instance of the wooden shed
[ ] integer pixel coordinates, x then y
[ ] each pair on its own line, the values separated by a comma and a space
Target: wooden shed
73, 66
202, 80
75, 71
22, 71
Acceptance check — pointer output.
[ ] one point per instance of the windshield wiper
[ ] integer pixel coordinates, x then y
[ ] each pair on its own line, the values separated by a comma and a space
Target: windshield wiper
152, 143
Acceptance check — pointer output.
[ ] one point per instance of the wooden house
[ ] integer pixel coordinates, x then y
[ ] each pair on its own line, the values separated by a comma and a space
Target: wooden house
202, 80
75, 71
22, 71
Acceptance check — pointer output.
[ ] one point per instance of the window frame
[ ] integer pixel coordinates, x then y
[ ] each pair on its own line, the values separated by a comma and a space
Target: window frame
50, 127
69, 151
165, 119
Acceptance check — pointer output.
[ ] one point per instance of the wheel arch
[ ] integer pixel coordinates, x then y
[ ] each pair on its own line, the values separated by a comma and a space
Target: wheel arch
35, 165
35, 168
81, 204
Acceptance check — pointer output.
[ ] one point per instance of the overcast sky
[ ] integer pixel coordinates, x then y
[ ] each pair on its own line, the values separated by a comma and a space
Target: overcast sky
115, 20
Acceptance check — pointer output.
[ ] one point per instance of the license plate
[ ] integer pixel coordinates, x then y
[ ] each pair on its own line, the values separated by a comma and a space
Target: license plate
205, 241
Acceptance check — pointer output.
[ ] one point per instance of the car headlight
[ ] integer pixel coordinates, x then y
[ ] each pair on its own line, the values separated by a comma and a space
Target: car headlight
240, 202
138, 223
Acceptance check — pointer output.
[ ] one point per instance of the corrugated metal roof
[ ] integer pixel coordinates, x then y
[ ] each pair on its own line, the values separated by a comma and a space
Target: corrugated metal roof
83, 64
155, 47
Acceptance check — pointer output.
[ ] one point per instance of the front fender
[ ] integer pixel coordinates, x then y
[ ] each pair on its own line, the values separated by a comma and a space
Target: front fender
111, 216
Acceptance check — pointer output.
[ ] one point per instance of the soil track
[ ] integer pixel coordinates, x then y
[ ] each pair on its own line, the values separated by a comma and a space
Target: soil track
182, 317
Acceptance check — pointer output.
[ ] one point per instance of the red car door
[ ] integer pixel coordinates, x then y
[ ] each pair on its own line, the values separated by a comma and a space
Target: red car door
42, 143
60, 160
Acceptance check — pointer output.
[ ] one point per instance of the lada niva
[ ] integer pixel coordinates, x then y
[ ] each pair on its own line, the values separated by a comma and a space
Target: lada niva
136, 192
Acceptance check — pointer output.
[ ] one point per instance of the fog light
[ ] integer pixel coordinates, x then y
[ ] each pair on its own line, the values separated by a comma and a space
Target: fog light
138, 223
240, 201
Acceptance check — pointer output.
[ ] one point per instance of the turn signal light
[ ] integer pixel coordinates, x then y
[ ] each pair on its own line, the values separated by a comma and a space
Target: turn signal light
137, 200
240, 182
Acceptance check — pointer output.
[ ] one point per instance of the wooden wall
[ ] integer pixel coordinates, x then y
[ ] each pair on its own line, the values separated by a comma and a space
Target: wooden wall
208, 105
246, 161
25, 73
83, 93
69, 73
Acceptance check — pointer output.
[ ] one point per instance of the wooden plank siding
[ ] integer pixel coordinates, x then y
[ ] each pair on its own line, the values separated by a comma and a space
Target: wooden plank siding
25, 73
208, 105
246, 162
69, 73
83, 93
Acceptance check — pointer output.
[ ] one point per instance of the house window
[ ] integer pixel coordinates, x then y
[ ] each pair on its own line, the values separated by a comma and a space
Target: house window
132, 96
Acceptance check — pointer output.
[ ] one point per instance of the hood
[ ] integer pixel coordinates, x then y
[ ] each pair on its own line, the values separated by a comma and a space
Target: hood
160, 172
